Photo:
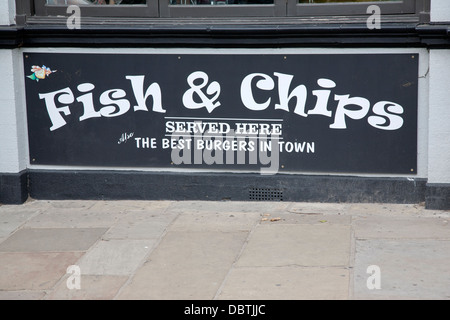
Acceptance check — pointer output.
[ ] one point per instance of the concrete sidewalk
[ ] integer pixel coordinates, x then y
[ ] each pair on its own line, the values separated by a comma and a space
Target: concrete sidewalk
222, 250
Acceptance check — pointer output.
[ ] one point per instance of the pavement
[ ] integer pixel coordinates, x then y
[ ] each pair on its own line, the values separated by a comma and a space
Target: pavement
225, 250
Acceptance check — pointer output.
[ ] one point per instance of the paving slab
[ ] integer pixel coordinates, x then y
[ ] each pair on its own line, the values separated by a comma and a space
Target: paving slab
286, 283
34, 271
401, 227
317, 208
37, 204
73, 204
409, 269
142, 224
130, 205
13, 218
92, 287
392, 210
52, 239
22, 295
227, 207
29, 206
115, 257
215, 221
186, 265
297, 244
74, 218
306, 218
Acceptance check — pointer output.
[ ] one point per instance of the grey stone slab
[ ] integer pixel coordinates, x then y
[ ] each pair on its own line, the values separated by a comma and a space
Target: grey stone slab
74, 218
286, 283
401, 227
35, 204
215, 221
115, 257
72, 204
22, 295
305, 218
364, 209
392, 210
52, 239
34, 271
28, 207
308, 208
11, 219
235, 207
92, 287
140, 225
92, 214
186, 265
130, 206
409, 269
298, 244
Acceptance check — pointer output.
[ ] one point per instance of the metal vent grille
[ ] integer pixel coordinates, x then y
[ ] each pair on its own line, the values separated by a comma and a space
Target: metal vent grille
265, 194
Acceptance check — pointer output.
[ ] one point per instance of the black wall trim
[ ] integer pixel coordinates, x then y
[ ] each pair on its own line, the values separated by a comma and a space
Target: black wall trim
11, 37
130, 185
134, 185
438, 196
250, 35
13, 188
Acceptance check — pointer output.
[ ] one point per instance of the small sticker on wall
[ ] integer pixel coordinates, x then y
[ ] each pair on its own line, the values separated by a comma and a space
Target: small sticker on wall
40, 73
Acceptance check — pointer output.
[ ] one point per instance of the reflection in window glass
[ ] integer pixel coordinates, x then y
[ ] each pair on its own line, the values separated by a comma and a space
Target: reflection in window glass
95, 2
219, 2
337, 1
249, 2
194, 2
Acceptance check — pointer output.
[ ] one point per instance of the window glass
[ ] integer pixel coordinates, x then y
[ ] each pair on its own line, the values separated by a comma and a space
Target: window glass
220, 2
340, 1
197, 2
222, 8
95, 2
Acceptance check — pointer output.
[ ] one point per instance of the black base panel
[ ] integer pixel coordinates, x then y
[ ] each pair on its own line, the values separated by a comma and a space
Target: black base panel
121, 185
131, 185
13, 188
438, 196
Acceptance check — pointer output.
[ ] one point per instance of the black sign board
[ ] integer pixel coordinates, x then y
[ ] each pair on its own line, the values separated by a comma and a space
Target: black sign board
346, 113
